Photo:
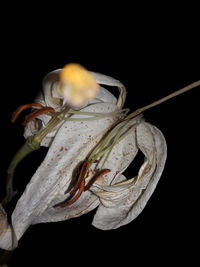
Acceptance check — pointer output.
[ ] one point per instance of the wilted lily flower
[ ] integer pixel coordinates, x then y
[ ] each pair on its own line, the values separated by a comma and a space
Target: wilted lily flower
91, 142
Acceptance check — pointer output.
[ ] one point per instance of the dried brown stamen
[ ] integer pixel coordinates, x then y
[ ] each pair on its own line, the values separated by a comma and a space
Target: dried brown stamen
34, 114
80, 186
37, 113
16, 114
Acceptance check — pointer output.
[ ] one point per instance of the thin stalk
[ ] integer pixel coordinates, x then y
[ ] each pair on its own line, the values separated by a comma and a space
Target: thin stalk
51, 125
105, 147
95, 116
164, 99
102, 146
97, 113
121, 133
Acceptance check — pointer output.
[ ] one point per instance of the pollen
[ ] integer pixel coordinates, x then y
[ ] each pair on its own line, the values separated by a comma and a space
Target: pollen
78, 84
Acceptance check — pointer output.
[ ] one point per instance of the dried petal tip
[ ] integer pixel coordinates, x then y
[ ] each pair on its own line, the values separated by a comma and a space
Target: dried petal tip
77, 85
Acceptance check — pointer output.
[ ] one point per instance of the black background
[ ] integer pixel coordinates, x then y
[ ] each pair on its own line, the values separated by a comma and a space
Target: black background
152, 58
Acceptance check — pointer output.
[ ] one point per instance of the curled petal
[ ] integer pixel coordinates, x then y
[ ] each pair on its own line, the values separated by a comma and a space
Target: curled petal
121, 203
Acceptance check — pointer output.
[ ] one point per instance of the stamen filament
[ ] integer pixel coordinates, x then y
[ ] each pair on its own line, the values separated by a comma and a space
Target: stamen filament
95, 116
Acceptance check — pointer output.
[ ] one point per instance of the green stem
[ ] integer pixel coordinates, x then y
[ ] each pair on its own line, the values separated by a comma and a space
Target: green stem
32, 144
29, 146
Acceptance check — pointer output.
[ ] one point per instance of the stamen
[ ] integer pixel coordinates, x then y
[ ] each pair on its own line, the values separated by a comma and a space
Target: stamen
81, 176
97, 175
16, 114
79, 193
80, 187
37, 113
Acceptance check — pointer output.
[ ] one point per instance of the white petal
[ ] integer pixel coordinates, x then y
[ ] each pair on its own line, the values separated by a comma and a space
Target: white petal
120, 204
72, 143
83, 205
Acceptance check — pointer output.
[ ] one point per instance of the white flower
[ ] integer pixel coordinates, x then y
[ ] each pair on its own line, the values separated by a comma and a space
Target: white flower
119, 200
